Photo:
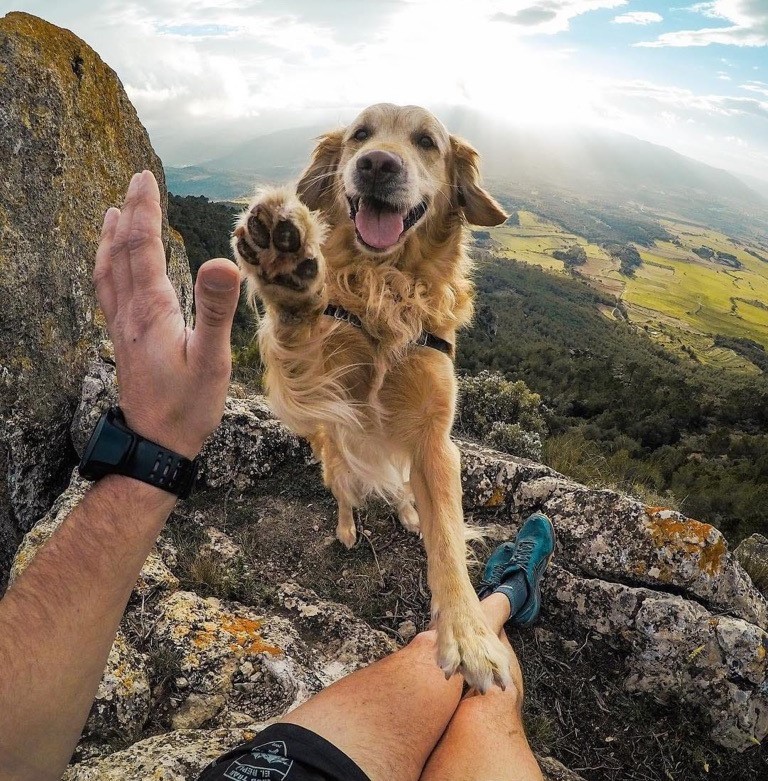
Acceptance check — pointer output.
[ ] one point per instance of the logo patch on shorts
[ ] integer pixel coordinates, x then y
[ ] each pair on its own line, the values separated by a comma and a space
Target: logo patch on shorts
267, 762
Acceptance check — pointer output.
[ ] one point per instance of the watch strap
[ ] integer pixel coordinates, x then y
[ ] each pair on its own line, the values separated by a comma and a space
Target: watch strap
115, 449
162, 468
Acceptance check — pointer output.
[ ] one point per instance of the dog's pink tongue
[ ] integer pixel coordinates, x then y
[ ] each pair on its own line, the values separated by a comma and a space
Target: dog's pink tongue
378, 229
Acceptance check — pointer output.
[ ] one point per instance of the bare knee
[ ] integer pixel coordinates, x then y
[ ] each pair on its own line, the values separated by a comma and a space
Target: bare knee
424, 641
496, 703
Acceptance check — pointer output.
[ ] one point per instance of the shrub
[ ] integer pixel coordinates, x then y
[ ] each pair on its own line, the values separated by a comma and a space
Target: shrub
506, 415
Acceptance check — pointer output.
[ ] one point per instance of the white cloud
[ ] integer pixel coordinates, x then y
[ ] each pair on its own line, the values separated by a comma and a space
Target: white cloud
639, 17
760, 87
685, 100
547, 16
747, 25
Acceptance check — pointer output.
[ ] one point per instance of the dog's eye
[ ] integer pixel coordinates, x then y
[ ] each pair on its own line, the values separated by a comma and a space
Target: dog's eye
361, 134
426, 142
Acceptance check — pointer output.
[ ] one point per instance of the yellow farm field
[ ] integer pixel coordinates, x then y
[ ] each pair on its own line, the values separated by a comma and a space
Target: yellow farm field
710, 297
535, 239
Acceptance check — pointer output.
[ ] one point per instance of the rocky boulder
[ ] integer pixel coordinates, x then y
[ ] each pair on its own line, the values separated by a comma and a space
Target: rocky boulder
70, 140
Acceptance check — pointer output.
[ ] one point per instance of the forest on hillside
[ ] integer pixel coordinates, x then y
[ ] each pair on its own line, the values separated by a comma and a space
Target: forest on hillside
620, 410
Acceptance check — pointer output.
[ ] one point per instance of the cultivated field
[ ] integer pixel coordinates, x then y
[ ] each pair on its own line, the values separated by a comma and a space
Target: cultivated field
682, 300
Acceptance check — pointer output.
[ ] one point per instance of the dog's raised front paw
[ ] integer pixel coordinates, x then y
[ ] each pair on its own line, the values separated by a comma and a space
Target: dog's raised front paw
277, 244
466, 645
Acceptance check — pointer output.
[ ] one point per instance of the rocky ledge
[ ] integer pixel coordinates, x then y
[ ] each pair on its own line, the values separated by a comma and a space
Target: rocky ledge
220, 640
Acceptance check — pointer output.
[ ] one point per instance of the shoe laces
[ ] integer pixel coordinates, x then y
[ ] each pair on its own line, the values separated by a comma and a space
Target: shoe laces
523, 551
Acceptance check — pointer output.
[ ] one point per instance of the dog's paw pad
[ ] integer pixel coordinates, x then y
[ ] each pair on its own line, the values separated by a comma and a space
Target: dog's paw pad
245, 249
277, 242
307, 269
258, 231
286, 236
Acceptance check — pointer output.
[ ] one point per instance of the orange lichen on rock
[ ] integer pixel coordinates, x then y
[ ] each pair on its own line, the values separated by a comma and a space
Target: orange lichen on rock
692, 537
497, 497
203, 639
245, 631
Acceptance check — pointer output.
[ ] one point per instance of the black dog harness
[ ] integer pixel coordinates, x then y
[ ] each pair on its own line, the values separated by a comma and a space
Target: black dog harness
424, 339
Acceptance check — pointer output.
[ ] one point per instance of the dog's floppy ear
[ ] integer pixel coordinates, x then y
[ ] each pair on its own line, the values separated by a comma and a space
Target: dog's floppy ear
315, 188
479, 206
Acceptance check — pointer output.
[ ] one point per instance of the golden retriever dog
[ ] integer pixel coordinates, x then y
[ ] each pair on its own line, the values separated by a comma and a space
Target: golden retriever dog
365, 281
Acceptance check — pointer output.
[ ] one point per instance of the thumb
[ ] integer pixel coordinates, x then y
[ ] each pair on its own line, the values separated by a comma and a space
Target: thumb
217, 291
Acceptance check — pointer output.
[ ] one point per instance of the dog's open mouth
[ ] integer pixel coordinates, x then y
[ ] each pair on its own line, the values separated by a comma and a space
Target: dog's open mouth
380, 225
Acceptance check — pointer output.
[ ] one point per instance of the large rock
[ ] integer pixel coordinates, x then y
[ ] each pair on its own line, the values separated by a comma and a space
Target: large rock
70, 140
675, 650
175, 756
617, 538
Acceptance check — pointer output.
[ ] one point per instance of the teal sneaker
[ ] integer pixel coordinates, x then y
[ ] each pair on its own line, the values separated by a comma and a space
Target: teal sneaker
515, 569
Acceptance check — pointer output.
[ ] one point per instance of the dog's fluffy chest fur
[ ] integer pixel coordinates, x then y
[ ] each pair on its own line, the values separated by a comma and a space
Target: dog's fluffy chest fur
400, 297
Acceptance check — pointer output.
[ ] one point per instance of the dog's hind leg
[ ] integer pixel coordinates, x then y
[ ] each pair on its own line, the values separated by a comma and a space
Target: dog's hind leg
338, 477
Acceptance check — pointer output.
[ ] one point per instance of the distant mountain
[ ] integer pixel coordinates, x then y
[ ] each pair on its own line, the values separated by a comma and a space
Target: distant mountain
596, 166
760, 186
274, 157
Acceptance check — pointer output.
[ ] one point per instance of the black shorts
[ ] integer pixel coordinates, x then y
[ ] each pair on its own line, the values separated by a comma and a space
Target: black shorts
284, 752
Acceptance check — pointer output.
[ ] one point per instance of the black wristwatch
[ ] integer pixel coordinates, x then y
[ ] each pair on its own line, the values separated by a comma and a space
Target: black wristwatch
114, 449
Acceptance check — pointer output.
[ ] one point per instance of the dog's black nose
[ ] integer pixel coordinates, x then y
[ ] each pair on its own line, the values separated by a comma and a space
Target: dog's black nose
379, 165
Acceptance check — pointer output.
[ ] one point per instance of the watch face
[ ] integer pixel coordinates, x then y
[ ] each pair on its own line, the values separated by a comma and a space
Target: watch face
107, 448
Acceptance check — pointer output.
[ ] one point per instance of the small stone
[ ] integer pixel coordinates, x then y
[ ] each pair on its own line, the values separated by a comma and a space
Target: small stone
197, 710
246, 668
407, 630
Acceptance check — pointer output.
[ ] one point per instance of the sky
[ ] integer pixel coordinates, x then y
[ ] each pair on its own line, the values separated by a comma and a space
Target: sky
206, 75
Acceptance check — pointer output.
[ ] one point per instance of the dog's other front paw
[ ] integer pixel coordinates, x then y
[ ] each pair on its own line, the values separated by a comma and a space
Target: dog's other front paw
466, 645
346, 530
277, 245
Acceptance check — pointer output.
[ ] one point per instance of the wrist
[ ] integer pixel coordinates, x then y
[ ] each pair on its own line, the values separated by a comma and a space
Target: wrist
115, 448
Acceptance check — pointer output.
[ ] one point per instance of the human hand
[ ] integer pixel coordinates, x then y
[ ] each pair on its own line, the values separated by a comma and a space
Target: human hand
172, 380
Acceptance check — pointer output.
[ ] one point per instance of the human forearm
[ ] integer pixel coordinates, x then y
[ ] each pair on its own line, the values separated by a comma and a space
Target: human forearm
58, 622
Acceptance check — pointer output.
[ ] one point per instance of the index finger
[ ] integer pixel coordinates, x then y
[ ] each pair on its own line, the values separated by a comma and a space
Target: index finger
102, 270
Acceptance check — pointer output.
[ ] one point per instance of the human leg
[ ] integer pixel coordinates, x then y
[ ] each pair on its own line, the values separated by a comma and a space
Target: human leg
388, 717
485, 740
